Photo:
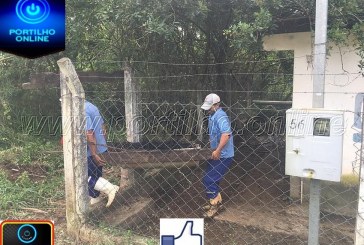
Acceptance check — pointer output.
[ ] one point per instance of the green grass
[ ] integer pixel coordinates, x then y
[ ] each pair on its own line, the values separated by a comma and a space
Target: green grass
350, 180
47, 153
31, 191
24, 192
128, 236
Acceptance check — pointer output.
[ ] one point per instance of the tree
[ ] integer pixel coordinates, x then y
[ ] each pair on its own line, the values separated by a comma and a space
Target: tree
148, 33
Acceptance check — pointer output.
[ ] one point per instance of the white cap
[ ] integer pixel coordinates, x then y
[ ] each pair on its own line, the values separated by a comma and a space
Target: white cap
210, 100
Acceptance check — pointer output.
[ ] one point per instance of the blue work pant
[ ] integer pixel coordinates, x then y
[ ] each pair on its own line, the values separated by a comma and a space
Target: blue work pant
94, 173
215, 170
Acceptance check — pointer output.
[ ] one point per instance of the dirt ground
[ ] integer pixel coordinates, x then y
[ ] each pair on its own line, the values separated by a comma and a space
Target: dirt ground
257, 209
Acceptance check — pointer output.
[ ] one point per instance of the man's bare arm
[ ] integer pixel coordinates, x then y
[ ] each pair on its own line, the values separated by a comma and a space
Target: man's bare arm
91, 142
223, 141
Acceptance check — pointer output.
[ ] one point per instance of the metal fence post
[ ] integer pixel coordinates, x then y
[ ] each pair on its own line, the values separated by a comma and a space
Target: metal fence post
318, 102
359, 229
74, 147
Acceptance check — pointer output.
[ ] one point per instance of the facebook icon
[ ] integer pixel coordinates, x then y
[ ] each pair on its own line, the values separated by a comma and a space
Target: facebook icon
181, 231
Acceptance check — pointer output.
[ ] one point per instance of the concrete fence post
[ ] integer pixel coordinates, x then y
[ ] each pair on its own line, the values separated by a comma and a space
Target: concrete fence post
131, 105
132, 113
74, 147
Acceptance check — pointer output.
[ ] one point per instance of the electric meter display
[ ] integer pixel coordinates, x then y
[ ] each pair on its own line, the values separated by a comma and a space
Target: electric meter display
321, 127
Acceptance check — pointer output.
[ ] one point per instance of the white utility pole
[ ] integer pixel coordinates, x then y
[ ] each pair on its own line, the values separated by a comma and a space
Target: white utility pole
319, 62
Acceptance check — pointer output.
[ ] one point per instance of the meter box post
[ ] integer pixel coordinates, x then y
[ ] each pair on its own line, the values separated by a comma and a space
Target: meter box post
314, 143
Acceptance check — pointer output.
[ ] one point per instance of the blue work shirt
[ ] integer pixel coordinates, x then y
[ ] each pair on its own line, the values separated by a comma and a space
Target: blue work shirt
219, 123
94, 122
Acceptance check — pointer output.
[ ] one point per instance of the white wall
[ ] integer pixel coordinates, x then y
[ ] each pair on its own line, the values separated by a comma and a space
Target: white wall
342, 83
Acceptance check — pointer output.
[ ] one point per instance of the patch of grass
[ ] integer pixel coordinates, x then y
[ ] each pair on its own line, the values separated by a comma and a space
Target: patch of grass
24, 192
350, 180
34, 150
29, 191
152, 242
128, 236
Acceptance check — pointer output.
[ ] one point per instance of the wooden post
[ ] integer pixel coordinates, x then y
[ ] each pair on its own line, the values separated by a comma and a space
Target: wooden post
131, 106
74, 147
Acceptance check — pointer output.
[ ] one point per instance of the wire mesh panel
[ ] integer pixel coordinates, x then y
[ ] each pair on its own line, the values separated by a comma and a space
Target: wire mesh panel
160, 172
160, 182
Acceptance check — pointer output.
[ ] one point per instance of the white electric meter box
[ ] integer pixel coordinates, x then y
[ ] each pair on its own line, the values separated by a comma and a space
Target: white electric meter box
314, 143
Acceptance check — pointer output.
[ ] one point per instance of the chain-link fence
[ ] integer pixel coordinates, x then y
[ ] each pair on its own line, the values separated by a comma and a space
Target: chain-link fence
258, 208
160, 174
158, 147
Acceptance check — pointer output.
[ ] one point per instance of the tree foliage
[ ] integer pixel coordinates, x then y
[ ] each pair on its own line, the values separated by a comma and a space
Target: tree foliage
227, 33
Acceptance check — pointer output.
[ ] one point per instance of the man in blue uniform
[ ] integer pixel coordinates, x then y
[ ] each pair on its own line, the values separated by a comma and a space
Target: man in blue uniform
221, 142
96, 145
